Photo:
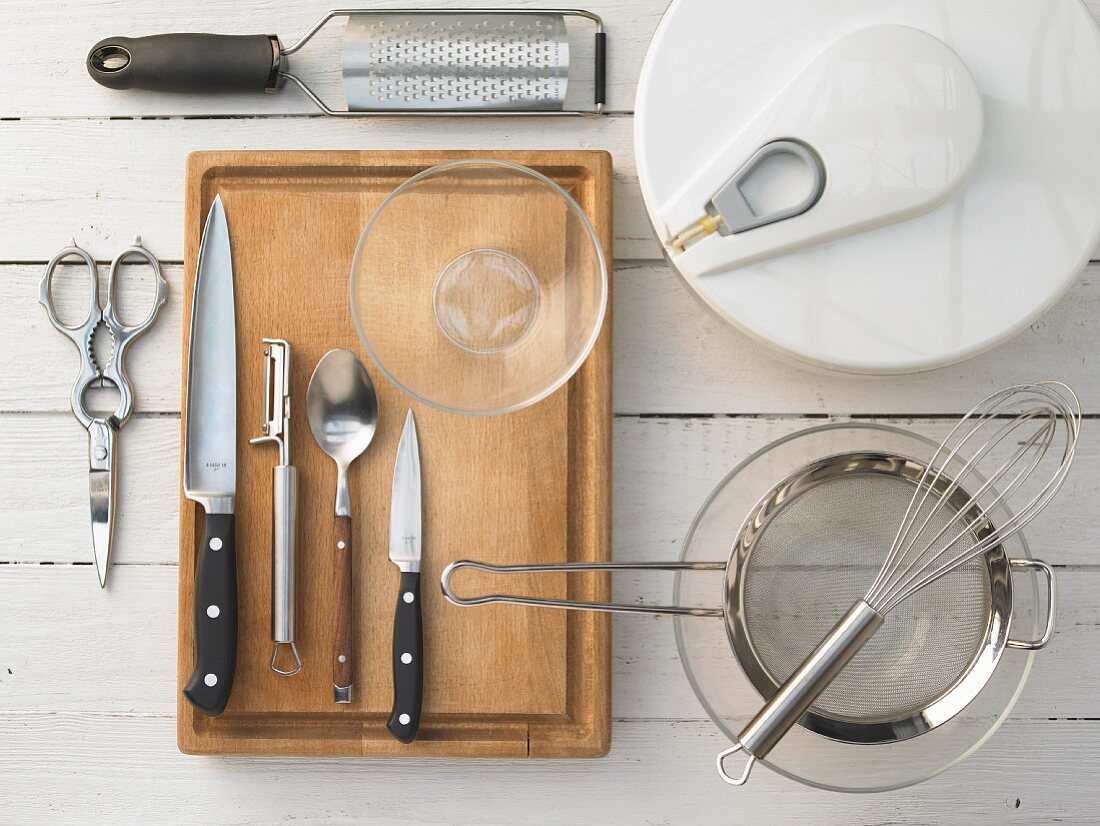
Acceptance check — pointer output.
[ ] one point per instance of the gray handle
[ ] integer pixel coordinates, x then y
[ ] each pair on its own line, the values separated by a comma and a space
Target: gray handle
187, 63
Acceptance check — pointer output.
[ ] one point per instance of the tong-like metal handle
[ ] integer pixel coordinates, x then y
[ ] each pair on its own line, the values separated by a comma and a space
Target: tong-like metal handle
578, 567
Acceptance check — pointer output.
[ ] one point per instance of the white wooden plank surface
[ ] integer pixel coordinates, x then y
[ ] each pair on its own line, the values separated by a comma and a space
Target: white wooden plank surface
649, 683
51, 80
671, 356
663, 471
106, 180
87, 682
124, 769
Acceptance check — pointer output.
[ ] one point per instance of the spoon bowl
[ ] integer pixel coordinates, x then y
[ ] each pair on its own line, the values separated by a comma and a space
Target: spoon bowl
342, 407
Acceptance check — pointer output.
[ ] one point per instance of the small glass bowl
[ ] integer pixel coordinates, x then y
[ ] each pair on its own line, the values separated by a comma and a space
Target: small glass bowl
479, 286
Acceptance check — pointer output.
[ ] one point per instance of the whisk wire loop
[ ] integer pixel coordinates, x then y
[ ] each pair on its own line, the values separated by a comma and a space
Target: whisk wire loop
915, 559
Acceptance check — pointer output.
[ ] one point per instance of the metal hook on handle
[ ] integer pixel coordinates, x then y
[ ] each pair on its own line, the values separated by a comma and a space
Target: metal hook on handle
579, 567
293, 652
729, 778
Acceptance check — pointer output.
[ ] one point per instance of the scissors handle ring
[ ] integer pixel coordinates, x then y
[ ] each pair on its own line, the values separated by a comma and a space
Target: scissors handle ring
115, 369
82, 334
79, 333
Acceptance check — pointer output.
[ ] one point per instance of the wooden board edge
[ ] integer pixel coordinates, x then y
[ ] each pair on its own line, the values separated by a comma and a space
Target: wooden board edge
589, 734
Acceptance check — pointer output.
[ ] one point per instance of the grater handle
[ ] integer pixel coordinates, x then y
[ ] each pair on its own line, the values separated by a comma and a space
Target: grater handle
188, 63
600, 73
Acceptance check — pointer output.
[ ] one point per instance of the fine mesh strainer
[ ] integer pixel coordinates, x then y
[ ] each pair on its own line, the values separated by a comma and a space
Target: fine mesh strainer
800, 556
811, 547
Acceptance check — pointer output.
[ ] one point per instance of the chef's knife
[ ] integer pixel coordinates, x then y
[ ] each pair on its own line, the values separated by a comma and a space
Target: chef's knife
405, 535
210, 466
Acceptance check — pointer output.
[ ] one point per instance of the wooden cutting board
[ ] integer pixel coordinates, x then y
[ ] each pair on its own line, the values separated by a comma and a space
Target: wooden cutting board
531, 486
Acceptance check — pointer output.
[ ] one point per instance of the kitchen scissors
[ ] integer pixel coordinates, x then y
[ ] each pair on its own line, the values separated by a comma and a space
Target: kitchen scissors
102, 431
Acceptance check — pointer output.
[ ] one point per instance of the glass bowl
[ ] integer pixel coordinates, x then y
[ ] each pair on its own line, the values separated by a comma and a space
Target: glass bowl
479, 286
731, 698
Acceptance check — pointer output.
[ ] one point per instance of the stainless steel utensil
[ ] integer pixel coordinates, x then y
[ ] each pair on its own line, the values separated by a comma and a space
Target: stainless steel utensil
946, 524
785, 592
405, 546
932, 541
102, 430
210, 465
413, 61
284, 501
342, 409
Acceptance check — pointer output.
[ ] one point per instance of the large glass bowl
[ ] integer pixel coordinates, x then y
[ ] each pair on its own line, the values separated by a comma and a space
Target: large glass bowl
731, 698
479, 286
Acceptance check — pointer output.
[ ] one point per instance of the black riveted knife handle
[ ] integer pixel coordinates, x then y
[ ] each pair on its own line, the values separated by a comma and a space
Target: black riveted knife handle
215, 615
408, 661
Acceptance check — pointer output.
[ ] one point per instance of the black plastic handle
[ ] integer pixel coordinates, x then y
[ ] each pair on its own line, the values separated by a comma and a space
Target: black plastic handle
408, 661
215, 615
600, 80
187, 62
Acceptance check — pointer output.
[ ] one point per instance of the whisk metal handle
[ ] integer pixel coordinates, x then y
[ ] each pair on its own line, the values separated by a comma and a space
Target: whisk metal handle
1052, 596
796, 695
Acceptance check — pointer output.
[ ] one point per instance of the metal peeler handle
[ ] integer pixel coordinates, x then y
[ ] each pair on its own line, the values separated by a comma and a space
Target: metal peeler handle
284, 501
284, 530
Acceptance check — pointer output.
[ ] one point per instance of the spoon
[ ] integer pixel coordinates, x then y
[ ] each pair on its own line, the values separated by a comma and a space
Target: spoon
342, 409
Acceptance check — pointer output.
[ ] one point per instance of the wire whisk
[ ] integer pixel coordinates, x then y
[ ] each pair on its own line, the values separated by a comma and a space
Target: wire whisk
972, 496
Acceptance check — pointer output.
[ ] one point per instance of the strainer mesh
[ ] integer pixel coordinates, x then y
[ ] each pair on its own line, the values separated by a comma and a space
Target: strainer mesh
816, 556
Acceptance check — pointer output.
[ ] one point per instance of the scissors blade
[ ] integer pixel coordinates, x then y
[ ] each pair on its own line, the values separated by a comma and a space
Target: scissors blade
101, 492
102, 522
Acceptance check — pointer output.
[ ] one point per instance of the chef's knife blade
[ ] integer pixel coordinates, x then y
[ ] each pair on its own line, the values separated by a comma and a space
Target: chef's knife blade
405, 539
210, 465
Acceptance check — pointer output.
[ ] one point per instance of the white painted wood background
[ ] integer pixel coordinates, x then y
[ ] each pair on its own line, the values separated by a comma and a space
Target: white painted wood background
87, 678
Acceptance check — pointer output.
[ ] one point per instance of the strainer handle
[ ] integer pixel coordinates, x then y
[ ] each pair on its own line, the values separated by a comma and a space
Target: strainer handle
579, 567
1052, 596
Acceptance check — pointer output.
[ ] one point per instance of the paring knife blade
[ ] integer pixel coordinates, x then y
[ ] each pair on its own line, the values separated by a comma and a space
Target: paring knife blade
405, 546
210, 465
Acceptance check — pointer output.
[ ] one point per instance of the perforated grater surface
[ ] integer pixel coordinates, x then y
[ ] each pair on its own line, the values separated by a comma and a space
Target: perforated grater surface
448, 61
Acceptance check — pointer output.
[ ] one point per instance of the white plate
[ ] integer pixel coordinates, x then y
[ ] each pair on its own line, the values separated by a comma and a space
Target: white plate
931, 290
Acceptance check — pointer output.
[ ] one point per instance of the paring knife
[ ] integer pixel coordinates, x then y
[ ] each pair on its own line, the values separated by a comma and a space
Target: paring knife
405, 536
210, 466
